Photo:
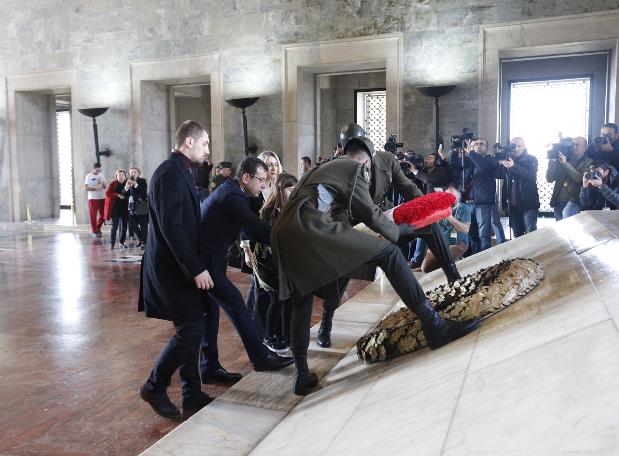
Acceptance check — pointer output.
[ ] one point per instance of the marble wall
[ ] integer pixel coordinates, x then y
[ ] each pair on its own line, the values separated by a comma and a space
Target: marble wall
441, 44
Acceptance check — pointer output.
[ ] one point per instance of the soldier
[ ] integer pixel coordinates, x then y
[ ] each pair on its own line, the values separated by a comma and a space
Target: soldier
319, 216
385, 174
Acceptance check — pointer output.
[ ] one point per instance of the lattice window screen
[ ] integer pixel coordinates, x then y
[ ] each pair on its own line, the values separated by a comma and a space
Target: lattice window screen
541, 112
372, 115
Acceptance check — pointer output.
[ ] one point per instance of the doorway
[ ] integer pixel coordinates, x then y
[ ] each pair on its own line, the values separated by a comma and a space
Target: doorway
544, 112
547, 98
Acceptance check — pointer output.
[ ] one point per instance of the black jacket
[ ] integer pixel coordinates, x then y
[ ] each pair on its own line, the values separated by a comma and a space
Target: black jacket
485, 169
458, 170
523, 176
594, 153
172, 256
593, 198
224, 214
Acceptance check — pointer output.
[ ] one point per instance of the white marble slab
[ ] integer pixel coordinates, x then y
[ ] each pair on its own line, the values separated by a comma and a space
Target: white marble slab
219, 429
557, 399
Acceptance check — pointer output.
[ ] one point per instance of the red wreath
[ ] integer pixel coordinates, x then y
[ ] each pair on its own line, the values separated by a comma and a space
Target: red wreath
424, 210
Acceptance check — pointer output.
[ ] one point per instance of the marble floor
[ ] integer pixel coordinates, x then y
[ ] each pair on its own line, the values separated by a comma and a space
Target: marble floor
74, 350
539, 378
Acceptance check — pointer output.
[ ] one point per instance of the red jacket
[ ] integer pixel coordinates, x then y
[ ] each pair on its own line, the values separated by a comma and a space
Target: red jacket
110, 199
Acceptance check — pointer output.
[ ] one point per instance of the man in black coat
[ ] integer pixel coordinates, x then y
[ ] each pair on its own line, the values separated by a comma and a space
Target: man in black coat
224, 214
173, 274
522, 196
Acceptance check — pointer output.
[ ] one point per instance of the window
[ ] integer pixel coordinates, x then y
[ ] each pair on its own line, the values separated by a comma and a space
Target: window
371, 114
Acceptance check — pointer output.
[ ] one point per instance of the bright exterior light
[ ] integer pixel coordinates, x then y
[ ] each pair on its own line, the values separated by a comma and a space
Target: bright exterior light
542, 112
63, 126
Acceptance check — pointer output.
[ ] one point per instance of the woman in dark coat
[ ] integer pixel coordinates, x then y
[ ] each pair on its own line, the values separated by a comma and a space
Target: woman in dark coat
116, 208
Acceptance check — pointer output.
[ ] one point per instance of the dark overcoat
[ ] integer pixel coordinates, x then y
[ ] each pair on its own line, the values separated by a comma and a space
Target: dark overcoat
386, 172
310, 248
172, 256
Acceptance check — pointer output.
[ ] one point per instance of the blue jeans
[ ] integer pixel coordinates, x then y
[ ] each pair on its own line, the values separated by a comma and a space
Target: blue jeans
565, 209
420, 251
487, 215
522, 222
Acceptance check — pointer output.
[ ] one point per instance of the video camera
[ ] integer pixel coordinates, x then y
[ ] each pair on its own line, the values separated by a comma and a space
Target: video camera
457, 141
564, 146
411, 157
503, 152
392, 145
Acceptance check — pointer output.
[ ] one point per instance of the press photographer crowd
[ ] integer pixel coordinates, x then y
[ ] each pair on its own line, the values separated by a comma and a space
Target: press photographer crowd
304, 238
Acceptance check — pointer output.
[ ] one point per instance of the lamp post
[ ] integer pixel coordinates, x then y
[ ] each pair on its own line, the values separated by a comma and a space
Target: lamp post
243, 103
94, 113
435, 92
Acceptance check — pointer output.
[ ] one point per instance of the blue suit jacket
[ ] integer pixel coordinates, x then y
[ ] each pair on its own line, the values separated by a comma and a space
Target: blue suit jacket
224, 214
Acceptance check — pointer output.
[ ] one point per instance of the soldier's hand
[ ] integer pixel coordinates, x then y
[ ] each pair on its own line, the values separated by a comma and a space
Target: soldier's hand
203, 280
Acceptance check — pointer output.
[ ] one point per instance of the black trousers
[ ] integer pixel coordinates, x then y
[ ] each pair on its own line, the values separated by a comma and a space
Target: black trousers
139, 226
434, 240
399, 274
226, 295
119, 224
181, 353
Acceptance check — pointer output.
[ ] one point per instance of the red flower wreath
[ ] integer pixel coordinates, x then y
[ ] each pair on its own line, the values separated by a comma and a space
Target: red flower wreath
424, 210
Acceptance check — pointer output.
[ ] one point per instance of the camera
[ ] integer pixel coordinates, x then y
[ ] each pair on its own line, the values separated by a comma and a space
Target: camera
592, 175
600, 140
392, 144
503, 152
131, 178
564, 146
410, 157
457, 141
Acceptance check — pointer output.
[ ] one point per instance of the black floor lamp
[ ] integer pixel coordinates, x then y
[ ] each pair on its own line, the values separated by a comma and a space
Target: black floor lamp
435, 92
243, 103
94, 113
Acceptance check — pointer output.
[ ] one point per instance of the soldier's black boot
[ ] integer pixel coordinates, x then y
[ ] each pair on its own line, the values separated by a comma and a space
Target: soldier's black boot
323, 339
451, 272
304, 380
439, 331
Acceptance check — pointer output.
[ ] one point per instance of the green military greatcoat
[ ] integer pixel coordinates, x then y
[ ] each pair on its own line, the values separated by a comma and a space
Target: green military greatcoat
311, 249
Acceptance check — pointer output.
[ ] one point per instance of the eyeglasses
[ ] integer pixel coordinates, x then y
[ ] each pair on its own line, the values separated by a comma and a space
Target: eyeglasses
262, 180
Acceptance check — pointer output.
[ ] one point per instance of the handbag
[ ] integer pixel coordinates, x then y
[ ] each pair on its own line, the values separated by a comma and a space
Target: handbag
141, 207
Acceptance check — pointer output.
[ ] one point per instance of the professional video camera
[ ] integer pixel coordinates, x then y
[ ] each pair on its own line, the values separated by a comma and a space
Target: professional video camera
392, 145
503, 152
564, 146
410, 157
457, 141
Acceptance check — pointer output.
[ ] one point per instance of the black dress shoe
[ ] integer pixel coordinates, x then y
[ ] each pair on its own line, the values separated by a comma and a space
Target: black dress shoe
160, 402
304, 382
221, 375
273, 362
191, 406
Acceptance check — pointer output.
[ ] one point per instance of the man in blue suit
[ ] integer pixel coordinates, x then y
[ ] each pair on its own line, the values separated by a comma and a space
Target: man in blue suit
173, 274
224, 214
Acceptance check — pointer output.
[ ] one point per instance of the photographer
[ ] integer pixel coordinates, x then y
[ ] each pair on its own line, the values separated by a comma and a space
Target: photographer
411, 164
137, 195
522, 197
566, 171
600, 187
460, 166
485, 172
434, 175
606, 146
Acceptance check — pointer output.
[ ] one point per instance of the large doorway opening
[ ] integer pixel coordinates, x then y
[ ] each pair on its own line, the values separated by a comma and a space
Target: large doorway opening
544, 112
544, 99
64, 159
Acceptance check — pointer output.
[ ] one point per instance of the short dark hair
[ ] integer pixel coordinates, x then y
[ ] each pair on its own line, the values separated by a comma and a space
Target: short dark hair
249, 165
611, 125
187, 129
307, 160
600, 164
96, 165
224, 164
